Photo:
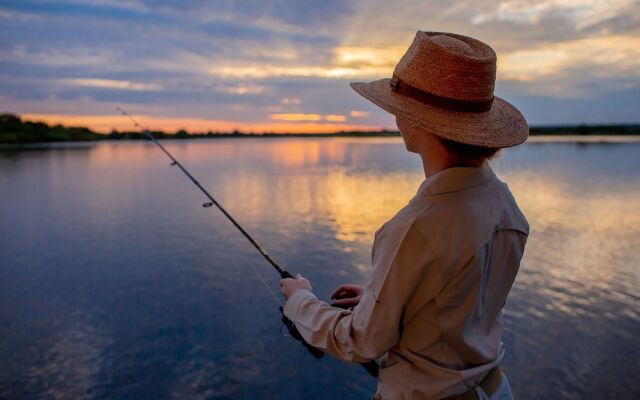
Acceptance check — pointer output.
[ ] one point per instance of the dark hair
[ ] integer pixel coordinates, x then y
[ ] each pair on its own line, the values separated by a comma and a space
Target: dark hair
468, 154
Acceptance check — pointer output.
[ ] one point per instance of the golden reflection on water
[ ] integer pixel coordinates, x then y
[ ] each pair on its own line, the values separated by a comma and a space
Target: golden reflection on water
583, 242
360, 203
355, 203
583, 234
550, 200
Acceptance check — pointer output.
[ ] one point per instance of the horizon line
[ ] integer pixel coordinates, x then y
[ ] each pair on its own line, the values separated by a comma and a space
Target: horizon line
124, 125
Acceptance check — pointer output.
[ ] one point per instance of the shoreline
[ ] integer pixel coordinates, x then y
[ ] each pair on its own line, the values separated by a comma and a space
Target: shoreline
534, 139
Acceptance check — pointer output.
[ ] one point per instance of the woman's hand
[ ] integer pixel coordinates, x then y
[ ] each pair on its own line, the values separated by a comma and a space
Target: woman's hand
288, 285
347, 295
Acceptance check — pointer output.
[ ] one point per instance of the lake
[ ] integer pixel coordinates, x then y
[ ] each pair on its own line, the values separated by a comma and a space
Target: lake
116, 283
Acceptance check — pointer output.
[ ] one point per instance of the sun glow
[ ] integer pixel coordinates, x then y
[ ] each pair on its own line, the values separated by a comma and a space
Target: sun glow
347, 62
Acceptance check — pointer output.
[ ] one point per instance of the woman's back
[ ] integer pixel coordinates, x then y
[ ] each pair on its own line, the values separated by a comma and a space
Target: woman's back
471, 236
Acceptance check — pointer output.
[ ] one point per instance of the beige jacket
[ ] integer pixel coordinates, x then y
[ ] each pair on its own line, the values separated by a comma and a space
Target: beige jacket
442, 269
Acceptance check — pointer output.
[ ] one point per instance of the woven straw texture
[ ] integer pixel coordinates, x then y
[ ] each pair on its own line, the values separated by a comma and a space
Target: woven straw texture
456, 67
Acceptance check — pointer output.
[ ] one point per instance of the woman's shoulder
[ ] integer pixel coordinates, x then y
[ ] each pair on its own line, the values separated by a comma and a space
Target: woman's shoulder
473, 214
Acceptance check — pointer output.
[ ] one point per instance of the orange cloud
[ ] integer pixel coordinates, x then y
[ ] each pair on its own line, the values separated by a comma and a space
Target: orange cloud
335, 118
296, 117
359, 114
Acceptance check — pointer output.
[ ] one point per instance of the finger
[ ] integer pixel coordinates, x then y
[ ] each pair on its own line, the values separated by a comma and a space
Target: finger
347, 295
346, 288
338, 290
344, 303
340, 295
344, 294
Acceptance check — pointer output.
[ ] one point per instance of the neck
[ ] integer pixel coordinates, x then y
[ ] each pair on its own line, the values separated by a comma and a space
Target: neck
435, 158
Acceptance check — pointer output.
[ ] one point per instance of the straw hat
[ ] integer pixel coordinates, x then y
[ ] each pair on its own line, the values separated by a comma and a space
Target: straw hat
444, 85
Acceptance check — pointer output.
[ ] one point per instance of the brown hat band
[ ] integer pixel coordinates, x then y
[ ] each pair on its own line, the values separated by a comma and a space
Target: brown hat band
402, 87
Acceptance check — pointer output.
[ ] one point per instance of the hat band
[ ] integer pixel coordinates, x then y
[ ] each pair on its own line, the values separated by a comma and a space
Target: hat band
402, 87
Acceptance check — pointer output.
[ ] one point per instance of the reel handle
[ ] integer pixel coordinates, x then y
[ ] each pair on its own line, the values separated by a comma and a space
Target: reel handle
291, 327
293, 331
372, 366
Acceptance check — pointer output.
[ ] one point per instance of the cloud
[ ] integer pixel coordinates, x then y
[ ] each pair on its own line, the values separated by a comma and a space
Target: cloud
296, 117
308, 117
335, 118
242, 89
346, 62
291, 100
110, 84
359, 114
565, 69
359, 56
221, 60
74, 57
582, 13
308, 71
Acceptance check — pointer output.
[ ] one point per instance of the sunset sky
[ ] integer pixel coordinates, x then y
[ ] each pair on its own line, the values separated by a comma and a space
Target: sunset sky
285, 65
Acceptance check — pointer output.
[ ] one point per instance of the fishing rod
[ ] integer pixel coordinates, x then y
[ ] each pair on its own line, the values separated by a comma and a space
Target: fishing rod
370, 366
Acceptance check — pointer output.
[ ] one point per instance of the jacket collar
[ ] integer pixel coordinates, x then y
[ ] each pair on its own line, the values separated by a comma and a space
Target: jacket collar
455, 179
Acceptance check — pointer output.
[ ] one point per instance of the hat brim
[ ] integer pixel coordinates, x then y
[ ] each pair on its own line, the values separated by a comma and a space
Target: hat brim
502, 126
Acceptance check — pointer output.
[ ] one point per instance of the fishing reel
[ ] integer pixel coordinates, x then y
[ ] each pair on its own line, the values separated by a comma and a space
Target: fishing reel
293, 332
371, 366
291, 327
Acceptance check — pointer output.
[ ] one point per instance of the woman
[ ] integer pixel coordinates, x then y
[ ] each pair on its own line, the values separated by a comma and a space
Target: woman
444, 264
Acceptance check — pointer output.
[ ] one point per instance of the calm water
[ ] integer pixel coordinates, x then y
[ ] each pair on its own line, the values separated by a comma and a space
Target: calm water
116, 283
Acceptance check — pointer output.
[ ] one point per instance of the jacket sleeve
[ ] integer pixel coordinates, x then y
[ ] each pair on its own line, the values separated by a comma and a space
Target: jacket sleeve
400, 259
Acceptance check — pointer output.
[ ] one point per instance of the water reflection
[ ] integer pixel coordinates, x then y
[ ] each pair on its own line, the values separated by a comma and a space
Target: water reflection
116, 283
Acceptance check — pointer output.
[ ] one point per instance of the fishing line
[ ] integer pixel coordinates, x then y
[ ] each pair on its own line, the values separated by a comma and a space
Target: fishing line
248, 262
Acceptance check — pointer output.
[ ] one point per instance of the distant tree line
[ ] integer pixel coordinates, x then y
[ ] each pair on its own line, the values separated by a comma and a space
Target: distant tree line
13, 130
582, 129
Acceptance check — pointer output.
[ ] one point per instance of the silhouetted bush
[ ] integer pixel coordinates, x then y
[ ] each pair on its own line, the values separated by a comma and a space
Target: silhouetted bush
13, 130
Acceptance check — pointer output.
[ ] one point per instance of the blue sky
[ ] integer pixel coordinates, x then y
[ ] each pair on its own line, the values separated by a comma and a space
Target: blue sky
285, 65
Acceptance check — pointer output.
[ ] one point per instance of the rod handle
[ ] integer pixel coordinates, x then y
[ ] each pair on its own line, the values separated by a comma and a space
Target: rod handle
293, 331
372, 366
